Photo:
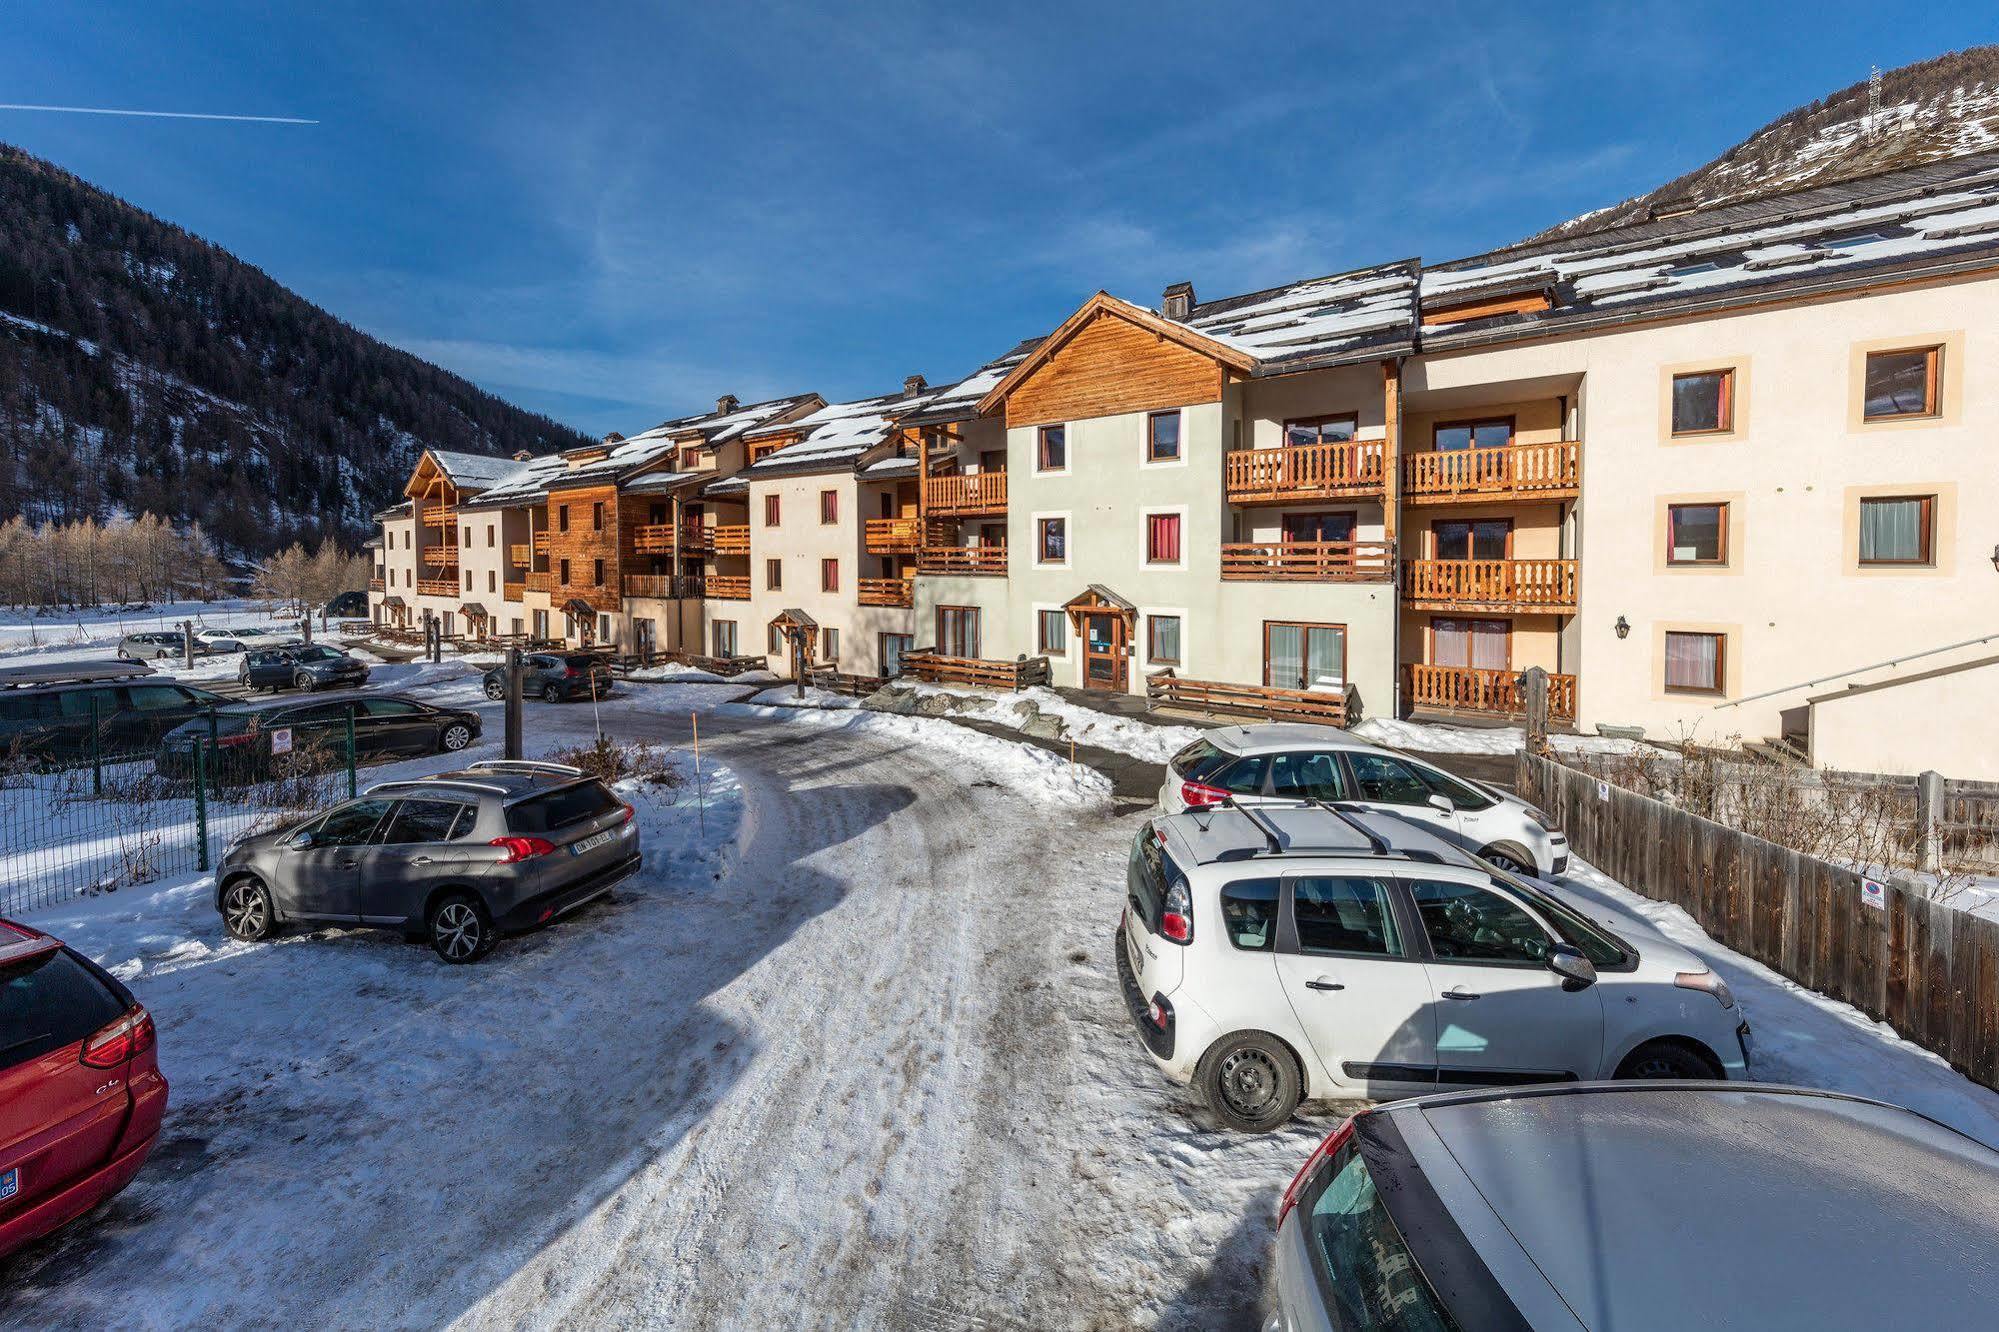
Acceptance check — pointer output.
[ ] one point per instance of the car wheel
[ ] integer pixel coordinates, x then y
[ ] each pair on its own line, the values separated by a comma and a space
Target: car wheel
1666, 1059
456, 736
551, 693
1511, 859
495, 690
246, 910
460, 929
1250, 1081
303, 681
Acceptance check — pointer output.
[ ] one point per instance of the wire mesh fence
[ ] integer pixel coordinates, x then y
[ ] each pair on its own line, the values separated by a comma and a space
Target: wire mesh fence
85, 809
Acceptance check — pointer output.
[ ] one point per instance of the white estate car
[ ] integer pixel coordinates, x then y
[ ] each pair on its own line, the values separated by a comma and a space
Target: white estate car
1275, 953
1292, 761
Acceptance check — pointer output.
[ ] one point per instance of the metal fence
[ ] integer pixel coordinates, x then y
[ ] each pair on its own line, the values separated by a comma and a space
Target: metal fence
88, 811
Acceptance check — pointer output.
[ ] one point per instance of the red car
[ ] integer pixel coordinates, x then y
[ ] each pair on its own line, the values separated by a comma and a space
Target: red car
81, 1094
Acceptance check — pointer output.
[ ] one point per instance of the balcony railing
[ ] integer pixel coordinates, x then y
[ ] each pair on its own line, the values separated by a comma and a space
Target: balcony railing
1499, 585
1308, 561
887, 592
541, 540
439, 515
437, 587
979, 492
657, 538
520, 554
1516, 471
732, 539
894, 536
962, 560
377, 585
541, 580
652, 585
729, 587
440, 554
1305, 472
926, 665
513, 591
1475, 689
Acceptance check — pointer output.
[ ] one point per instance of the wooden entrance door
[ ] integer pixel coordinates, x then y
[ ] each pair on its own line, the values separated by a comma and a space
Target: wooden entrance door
1103, 651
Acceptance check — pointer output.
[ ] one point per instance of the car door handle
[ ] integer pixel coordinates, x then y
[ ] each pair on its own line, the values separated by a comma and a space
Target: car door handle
420, 860
1459, 992
349, 863
1323, 984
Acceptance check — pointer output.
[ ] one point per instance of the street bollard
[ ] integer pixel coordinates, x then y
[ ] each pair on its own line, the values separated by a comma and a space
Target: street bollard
513, 747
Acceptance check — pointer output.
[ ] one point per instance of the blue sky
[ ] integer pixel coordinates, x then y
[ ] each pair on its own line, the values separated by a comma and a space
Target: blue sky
615, 212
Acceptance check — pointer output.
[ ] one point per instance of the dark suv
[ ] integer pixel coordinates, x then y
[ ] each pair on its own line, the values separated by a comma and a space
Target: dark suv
313, 667
256, 740
111, 711
455, 859
555, 676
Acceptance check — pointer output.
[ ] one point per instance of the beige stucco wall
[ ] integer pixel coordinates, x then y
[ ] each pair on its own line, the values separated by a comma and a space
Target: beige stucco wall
801, 541
1871, 730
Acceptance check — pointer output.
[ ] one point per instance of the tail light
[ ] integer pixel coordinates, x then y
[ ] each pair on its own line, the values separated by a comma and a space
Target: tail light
1176, 918
232, 741
130, 1035
1323, 1153
522, 848
629, 813
1199, 796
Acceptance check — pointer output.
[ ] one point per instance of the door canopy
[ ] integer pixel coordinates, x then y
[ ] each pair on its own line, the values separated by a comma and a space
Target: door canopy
1096, 599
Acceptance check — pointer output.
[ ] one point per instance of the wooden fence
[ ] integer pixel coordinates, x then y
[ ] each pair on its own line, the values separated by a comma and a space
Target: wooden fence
1165, 689
926, 665
1929, 971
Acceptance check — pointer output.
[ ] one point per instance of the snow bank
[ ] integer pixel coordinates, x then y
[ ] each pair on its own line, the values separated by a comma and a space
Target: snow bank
1434, 738
787, 696
1124, 735
673, 670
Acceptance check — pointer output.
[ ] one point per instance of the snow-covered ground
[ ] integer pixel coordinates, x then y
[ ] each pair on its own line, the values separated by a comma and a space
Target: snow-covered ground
1435, 738
1124, 735
88, 634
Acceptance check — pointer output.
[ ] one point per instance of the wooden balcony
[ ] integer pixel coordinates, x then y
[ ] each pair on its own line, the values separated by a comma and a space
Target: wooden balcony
1473, 476
1305, 472
438, 515
1308, 561
541, 580
437, 587
652, 585
541, 540
728, 587
441, 555
959, 495
1472, 689
657, 538
377, 585
520, 554
887, 591
979, 560
894, 536
732, 538
1519, 586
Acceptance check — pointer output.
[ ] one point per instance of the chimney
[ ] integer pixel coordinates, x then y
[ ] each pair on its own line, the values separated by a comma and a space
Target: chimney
1178, 302
522, 455
613, 437
725, 404
913, 384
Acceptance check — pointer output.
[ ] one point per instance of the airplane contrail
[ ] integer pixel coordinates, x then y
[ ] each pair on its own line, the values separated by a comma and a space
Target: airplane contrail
158, 115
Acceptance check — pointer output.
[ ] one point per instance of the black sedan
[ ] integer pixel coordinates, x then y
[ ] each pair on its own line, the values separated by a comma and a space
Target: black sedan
314, 667
257, 739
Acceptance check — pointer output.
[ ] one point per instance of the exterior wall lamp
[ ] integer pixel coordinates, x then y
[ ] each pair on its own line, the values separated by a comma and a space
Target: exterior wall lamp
1623, 626
1995, 557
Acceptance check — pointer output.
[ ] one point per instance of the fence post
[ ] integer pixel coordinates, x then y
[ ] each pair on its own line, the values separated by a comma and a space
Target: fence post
187, 644
96, 749
200, 804
1534, 693
1929, 820
513, 747
352, 785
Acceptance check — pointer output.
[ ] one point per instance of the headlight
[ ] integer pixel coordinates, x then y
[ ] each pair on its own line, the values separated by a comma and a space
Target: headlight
1706, 980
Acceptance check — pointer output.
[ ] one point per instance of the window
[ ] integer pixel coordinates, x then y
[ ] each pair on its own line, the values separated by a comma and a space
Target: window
1472, 539
894, 648
1696, 534
1162, 437
597, 516
562, 517
773, 574
1704, 402
1321, 430
1052, 631
1388, 781
561, 807
597, 573
1243, 777
426, 821
1052, 540
1298, 656
724, 634
49, 1000
149, 698
1897, 529
773, 639
1694, 663
1162, 538
829, 575
1052, 449
605, 632
1307, 775
1481, 645
541, 624
489, 536
466, 539
1320, 526
1448, 437
468, 580
771, 510
565, 573
1249, 914
1162, 640
830, 638
829, 506
1341, 915
958, 631
1901, 384
351, 824
1466, 923
1361, 1261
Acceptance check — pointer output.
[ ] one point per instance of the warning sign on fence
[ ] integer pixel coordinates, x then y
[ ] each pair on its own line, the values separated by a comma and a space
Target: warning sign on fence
1874, 893
1603, 791
281, 740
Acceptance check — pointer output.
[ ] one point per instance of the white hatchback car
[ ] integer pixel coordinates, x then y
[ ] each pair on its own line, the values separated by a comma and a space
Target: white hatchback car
1275, 953
1285, 762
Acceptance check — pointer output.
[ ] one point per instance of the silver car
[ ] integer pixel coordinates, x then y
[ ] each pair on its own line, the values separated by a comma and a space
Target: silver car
1643, 1207
456, 859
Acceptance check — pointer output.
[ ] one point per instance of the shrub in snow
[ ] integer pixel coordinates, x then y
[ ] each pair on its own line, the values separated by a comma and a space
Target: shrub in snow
613, 760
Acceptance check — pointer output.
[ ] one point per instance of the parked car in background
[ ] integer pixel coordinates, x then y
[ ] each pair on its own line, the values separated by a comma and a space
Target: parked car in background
348, 605
110, 709
1641, 1206
316, 667
225, 640
81, 1095
455, 859
254, 740
155, 646
1288, 761
1278, 952
555, 676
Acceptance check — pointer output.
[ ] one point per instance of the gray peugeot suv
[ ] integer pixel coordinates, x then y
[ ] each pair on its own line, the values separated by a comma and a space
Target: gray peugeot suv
457, 858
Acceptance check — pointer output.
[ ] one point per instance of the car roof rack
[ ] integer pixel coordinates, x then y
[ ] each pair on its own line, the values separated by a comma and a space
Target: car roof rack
85, 672
1274, 842
524, 765
427, 783
1345, 813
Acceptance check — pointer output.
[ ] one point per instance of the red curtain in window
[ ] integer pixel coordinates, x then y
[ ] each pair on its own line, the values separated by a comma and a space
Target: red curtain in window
1162, 538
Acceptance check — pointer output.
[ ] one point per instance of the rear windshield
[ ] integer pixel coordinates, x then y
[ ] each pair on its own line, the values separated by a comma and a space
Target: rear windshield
559, 809
1200, 760
1146, 877
582, 663
48, 1002
1365, 1270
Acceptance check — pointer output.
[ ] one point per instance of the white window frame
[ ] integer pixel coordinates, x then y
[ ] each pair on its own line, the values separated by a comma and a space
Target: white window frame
1034, 448
1068, 539
1144, 526
1145, 439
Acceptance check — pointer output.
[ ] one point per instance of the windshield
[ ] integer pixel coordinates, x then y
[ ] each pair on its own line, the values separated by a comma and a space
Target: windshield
1200, 761
1601, 947
1365, 1270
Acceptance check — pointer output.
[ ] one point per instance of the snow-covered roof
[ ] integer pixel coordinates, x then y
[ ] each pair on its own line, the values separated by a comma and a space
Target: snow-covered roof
836, 435
960, 401
1355, 316
472, 471
719, 427
1848, 232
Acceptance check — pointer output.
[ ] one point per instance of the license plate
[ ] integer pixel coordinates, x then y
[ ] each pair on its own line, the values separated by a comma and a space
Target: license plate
10, 1183
591, 842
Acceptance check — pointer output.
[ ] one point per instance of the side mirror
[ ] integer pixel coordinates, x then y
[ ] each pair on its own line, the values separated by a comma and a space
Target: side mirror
1577, 972
300, 841
1441, 803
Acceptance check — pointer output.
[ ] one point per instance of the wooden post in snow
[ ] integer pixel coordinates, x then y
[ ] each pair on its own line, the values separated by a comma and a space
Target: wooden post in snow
1534, 698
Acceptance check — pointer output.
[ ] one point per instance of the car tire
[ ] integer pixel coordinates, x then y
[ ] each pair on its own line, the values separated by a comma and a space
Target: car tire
460, 930
551, 693
1511, 859
247, 912
496, 691
1666, 1059
1250, 1081
454, 738
302, 681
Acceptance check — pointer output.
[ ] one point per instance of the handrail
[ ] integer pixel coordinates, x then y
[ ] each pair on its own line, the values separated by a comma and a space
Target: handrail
1841, 675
